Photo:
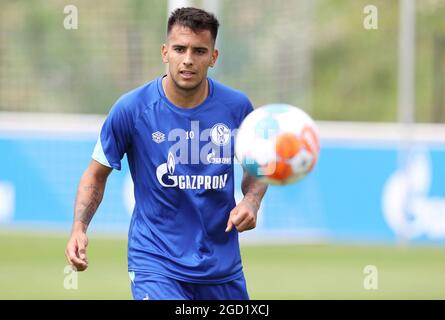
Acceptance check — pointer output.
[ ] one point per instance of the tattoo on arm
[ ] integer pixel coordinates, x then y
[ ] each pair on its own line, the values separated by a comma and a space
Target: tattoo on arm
253, 189
87, 201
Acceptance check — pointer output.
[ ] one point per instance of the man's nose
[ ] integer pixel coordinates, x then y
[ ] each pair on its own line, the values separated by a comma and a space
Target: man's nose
188, 59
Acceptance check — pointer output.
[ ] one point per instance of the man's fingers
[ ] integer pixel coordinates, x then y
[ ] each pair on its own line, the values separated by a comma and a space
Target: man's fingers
70, 255
75, 261
82, 249
75, 252
229, 225
230, 221
238, 218
241, 220
246, 224
82, 253
242, 217
81, 267
74, 258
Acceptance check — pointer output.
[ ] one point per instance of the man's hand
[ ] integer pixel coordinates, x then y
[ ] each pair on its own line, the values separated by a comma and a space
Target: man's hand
89, 195
75, 250
243, 216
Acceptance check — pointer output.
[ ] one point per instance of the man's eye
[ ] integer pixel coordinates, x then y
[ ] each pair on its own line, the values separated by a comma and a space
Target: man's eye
179, 49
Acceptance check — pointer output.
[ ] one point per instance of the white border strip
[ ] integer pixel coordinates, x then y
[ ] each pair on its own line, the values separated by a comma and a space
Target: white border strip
50, 123
80, 124
384, 132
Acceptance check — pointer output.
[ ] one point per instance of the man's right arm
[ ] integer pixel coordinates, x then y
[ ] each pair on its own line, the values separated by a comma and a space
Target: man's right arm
89, 195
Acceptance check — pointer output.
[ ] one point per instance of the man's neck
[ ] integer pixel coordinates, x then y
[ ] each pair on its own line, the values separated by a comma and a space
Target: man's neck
185, 98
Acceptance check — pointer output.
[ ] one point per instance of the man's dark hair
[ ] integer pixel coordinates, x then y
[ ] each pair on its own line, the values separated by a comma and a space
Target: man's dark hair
195, 19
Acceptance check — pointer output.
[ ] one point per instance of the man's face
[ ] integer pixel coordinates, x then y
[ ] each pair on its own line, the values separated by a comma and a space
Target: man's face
189, 55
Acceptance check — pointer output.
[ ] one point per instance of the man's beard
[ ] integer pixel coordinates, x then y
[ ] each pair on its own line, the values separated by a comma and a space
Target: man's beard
185, 88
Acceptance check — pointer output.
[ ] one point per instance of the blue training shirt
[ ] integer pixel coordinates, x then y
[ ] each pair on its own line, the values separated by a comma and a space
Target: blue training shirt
181, 162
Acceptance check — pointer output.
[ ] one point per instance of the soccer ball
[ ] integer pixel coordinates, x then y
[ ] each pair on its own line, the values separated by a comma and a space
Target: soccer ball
278, 144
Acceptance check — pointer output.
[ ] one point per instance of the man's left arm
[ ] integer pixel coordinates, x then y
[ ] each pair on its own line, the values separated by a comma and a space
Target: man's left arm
244, 216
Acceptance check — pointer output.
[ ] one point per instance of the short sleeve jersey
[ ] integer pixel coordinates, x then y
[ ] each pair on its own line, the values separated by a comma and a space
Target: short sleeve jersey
181, 162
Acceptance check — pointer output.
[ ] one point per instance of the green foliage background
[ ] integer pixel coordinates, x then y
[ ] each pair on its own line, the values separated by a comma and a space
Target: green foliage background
45, 68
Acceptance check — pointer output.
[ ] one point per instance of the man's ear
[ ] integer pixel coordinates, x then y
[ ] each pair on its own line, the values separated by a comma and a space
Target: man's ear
164, 52
215, 54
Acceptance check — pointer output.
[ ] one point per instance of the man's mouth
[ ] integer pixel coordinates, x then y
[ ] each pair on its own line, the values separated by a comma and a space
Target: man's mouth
187, 74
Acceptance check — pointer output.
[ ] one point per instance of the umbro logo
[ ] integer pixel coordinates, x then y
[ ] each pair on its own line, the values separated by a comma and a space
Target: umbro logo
158, 137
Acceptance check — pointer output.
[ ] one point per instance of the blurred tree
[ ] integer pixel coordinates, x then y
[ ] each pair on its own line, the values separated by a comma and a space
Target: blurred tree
315, 54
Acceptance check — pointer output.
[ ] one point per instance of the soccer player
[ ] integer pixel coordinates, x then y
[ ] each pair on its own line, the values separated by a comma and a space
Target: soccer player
178, 134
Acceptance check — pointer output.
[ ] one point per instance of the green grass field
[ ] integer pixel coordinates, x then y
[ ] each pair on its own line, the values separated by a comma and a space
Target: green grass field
32, 267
